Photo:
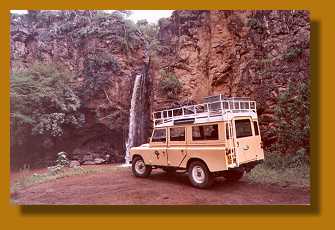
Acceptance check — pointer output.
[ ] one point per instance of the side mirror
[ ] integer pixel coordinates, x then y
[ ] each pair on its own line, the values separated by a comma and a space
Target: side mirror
148, 140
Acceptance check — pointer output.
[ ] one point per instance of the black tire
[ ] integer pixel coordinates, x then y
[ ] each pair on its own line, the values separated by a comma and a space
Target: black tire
137, 162
169, 170
204, 179
233, 174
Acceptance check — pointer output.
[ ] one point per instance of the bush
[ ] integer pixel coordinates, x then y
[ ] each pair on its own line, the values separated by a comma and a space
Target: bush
150, 33
169, 84
292, 53
42, 98
279, 161
42, 106
292, 119
256, 24
61, 162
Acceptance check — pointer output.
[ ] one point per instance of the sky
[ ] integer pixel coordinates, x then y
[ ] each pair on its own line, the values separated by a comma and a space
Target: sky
149, 15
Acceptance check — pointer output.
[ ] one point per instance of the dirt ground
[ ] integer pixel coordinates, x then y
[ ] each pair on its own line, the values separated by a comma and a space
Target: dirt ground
120, 187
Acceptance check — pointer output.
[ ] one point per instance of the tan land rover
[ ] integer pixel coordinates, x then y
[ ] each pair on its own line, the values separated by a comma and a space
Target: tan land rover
217, 138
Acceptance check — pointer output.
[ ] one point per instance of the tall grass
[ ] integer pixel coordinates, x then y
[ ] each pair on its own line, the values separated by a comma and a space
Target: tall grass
287, 170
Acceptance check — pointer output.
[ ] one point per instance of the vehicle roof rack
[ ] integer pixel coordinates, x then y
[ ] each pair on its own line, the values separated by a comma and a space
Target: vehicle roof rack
214, 108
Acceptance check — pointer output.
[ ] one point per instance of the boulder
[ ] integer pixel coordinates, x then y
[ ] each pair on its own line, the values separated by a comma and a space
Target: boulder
74, 164
88, 163
99, 161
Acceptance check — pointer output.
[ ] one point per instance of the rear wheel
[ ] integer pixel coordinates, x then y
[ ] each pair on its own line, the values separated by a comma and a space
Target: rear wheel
139, 168
199, 175
233, 174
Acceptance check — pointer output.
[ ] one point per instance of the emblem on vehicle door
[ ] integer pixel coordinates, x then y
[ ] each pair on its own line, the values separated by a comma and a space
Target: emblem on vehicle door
157, 154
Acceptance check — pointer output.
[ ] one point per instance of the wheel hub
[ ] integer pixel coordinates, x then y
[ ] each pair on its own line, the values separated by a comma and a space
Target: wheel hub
140, 167
198, 174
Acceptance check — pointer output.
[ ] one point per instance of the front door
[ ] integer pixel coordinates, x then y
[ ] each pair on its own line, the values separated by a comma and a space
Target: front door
158, 143
244, 140
177, 146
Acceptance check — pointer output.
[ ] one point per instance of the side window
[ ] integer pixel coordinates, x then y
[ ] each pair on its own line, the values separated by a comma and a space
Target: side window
243, 128
205, 132
159, 135
256, 128
177, 134
227, 131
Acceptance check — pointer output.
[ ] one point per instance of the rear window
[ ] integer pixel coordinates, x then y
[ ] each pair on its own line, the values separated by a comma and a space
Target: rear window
256, 128
243, 128
205, 132
159, 135
177, 134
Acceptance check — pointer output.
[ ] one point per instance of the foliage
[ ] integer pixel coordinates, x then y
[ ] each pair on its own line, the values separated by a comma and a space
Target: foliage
95, 80
275, 160
150, 33
62, 159
42, 99
286, 176
292, 53
292, 122
169, 84
256, 24
61, 162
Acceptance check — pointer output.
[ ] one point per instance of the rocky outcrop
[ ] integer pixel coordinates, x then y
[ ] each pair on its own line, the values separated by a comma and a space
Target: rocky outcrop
104, 52
235, 53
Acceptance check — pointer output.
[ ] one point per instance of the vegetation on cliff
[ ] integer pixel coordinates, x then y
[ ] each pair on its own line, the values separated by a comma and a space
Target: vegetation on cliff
260, 54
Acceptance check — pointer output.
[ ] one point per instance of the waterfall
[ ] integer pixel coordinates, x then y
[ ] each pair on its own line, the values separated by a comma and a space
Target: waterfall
133, 115
139, 115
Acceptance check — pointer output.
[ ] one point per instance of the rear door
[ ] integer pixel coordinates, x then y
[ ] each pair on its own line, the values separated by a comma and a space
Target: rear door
246, 143
176, 149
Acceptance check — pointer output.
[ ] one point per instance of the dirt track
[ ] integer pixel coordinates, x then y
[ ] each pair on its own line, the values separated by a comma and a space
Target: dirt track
120, 187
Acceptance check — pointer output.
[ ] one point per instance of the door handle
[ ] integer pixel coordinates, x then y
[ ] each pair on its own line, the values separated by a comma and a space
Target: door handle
246, 147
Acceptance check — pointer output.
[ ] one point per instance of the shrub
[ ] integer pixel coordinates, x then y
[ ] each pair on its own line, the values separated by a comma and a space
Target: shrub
255, 24
61, 162
292, 53
150, 33
292, 123
42, 98
278, 160
169, 84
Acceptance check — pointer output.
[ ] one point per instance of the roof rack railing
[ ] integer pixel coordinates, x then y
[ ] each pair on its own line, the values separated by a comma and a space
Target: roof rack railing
214, 106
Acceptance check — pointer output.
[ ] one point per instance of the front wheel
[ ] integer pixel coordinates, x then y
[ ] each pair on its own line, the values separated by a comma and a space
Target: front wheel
199, 175
139, 168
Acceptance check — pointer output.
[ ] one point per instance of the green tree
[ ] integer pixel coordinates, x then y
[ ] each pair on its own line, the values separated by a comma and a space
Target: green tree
292, 121
169, 84
43, 101
150, 34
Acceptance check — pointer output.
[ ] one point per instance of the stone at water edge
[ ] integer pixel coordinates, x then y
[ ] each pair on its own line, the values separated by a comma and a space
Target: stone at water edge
88, 163
74, 164
99, 161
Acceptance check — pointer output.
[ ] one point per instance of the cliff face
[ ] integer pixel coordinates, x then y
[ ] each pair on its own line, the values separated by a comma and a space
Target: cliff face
235, 53
104, 52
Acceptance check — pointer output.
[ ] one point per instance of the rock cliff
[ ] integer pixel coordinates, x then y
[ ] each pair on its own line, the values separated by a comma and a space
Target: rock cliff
235, 53
104, 52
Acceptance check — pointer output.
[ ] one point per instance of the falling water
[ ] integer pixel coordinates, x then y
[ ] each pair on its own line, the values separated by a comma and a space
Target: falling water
132, 117
139, 116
